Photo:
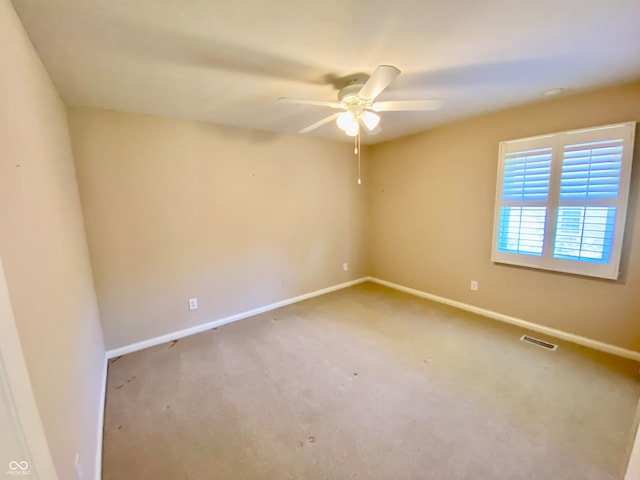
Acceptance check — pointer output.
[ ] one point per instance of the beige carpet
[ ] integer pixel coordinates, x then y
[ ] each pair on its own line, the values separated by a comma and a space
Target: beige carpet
367, 383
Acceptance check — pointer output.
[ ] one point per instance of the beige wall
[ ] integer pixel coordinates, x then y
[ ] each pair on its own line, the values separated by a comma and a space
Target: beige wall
432, 199
239, 219
44, 252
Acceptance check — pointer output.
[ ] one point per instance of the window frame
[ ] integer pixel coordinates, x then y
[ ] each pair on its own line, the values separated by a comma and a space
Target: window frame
557, 142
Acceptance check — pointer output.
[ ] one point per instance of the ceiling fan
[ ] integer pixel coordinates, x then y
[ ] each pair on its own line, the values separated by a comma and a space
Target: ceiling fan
357, 97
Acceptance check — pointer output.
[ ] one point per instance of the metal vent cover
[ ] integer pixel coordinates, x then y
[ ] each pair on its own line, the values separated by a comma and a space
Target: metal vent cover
538, 342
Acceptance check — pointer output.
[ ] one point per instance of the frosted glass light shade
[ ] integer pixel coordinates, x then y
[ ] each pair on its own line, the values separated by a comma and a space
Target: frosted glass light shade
346, 121
370, 119
352, 130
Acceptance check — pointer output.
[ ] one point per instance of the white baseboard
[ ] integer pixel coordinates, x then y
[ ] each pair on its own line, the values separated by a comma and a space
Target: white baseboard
553, 332
152, 342
103, 398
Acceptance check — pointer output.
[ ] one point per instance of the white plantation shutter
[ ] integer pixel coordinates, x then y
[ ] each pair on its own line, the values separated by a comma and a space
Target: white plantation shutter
589, 189
525, 190
561, 200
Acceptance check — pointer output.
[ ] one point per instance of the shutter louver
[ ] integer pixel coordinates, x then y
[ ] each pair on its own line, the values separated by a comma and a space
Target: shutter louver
526, 175
591, 171
585, 233
522, 230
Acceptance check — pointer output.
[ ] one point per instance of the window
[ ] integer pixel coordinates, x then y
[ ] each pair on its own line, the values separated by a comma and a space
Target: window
561, 200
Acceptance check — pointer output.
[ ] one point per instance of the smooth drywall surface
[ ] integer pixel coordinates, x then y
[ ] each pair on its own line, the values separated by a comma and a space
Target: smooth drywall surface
432, 199
235, 218
44, 251
23, 439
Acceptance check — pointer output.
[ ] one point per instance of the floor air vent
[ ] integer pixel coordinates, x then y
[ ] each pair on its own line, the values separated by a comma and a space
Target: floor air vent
540, 343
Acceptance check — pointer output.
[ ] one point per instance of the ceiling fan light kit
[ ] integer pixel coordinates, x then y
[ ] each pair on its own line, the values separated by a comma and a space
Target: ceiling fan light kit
370, 119
352, 130
347, 121
356, 98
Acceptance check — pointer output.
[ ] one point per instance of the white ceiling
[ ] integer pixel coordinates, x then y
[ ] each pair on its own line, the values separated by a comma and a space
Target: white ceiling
226, 62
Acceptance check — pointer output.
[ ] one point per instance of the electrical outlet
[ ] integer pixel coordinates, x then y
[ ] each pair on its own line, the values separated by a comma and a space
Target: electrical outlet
193, 303
345, 267
474, 285
78, 465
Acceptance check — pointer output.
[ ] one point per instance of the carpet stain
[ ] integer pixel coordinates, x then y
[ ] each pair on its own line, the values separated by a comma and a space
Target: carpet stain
311, 440
355, 374
173, 343
119, 427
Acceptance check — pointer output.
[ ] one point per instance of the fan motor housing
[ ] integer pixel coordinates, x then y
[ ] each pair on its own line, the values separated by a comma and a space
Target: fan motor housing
349, 91
351, 85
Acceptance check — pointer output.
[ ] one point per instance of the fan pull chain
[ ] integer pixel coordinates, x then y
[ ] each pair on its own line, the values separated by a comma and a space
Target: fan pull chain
358, 149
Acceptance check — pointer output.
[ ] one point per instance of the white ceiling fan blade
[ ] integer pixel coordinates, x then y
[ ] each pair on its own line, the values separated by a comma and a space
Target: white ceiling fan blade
378, 81
406, 105
320, 123
305, 101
